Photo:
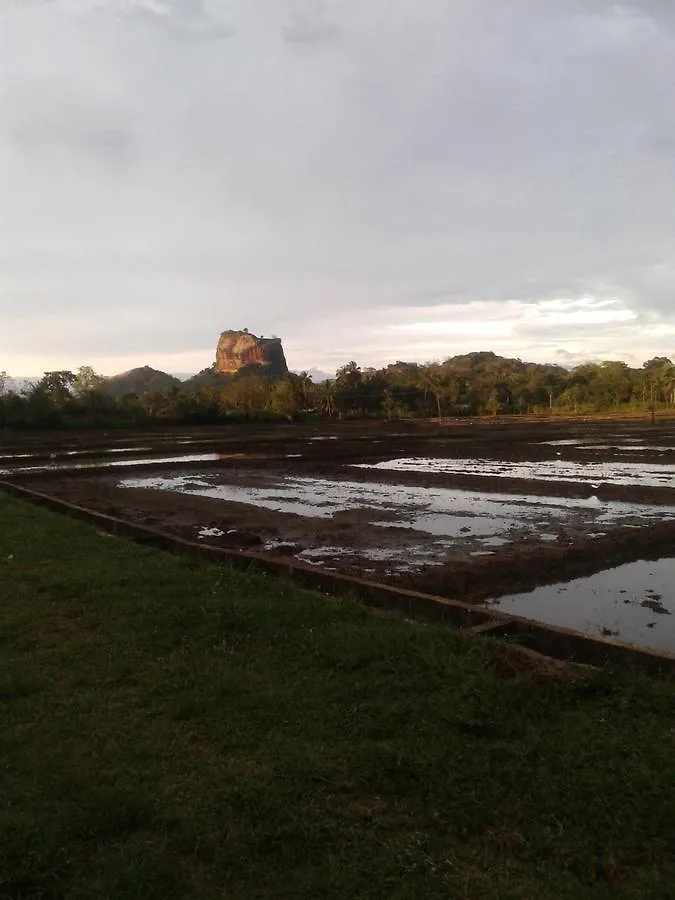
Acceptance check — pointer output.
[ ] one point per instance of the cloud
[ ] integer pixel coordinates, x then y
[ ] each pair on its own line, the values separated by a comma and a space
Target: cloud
310, 22
170, 168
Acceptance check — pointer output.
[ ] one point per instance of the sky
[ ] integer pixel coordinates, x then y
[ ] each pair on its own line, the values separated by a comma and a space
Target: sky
372, 180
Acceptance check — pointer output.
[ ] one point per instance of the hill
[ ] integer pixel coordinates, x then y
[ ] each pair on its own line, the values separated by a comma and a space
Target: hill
140, 381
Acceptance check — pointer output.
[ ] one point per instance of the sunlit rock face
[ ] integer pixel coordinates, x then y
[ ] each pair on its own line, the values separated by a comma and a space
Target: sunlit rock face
239, 349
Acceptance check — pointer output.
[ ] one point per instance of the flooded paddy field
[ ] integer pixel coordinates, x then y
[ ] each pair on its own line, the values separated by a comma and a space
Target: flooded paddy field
633, 603
484, 511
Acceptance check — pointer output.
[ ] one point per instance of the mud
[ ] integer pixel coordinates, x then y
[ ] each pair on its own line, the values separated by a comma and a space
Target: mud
475, 524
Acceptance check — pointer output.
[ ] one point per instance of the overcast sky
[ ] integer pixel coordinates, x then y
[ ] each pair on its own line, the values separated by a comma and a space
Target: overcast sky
376, 180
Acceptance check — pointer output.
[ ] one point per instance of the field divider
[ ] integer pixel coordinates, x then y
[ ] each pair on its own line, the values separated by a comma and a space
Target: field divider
549, 640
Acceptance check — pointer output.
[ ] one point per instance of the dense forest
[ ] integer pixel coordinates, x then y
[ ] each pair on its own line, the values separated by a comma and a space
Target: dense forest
471, 384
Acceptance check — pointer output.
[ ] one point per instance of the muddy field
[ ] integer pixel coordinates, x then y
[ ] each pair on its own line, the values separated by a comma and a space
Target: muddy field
480, 510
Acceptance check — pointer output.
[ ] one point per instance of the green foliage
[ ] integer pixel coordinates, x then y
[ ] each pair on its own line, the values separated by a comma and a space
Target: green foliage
469, 384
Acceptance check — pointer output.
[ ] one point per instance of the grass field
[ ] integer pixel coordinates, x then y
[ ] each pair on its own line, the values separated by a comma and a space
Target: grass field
170, 731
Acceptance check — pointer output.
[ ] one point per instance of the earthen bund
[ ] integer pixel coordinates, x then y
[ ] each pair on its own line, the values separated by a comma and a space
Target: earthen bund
552, 641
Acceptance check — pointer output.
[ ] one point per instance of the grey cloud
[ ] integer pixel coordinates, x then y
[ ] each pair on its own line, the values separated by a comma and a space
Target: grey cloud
188, 18
192, 18
387, 155
48, 123
310, 22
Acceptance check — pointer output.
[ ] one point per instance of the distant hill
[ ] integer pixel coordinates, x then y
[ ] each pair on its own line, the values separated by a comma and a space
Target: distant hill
142, 380
207, 378
318, 375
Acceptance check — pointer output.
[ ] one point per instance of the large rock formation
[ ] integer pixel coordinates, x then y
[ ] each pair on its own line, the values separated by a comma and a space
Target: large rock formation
241, 350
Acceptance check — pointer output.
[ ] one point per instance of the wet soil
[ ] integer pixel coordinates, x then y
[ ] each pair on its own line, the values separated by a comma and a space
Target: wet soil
468, 566
513, 662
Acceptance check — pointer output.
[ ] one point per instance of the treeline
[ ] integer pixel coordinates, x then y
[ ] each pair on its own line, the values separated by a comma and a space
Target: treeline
471, 384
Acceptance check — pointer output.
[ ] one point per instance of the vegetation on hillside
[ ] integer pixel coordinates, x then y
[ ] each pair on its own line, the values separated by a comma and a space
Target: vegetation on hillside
470, 384
170, 731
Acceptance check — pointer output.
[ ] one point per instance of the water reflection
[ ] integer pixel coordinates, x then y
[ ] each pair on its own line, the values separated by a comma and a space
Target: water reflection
631, 603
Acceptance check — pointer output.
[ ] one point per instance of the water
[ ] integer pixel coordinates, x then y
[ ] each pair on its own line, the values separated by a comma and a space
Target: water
633, 603
398, 560
88, 452
444, 512
642, 474
106, 450
627, 444
58, 465
627, 448
206, 532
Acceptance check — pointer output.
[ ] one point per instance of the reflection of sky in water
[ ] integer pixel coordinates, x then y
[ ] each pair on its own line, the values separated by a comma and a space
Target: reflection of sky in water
408, 560
613, 442
630, 449
644, 474
445, 512
112, 463
88, 452
611, 601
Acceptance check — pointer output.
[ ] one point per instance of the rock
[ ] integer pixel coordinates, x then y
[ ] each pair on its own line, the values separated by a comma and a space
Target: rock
240, 350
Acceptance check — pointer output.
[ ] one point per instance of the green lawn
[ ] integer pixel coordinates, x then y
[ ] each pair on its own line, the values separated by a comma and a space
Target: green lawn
171, 731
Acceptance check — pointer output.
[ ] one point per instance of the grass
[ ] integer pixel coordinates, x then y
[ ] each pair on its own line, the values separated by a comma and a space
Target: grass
170, 731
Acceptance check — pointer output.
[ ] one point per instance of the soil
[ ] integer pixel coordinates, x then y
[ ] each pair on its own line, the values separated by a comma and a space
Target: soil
255, 457
514, 662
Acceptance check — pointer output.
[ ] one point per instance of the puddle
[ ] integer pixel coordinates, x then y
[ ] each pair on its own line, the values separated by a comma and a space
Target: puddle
96, 452
643, 474
412, 559
631, 448
626, 444
69, 453
278, 544
495, 542
210, 532
312, 554
112, 463
491, 519
633, 603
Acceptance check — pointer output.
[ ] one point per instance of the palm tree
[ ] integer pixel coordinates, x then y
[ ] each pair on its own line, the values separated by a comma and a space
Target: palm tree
326, 397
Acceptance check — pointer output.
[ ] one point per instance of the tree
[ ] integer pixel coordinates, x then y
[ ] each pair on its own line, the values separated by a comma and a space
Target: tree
658, 380
326, 397
613, 384
57, 388
248, 395
432, 380
304, 383
87, 381
285, 399
3, 402
576, 394
348, 388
